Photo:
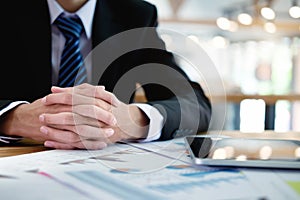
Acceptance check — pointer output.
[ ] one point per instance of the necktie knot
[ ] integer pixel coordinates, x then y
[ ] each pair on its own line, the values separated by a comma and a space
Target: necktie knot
71, 27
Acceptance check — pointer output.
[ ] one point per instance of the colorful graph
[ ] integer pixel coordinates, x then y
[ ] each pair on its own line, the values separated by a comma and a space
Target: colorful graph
113, 186
124, 170
202, 173
179, 166
184, 186
295, 185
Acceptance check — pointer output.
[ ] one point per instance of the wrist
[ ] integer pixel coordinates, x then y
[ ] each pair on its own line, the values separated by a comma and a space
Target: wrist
140, 123
132, 123
7, 122
137, 116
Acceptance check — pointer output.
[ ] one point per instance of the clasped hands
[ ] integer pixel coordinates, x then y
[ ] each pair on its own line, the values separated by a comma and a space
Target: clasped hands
80, 117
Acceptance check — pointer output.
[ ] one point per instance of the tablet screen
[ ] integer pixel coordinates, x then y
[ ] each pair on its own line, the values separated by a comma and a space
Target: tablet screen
244, 149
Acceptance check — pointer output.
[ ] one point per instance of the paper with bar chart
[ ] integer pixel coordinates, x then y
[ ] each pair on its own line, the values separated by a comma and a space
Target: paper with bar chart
164, 171
156, 170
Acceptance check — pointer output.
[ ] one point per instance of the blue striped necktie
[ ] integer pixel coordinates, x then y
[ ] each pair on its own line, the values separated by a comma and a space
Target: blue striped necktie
72, 70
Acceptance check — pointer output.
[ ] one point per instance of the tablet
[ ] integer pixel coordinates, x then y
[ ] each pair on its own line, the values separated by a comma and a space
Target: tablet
241, 152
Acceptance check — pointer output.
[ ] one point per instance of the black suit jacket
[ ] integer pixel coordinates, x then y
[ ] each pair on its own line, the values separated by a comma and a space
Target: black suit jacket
26, 62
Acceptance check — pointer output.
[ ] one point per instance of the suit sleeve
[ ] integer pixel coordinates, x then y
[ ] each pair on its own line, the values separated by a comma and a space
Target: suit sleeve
4, 103
183, 104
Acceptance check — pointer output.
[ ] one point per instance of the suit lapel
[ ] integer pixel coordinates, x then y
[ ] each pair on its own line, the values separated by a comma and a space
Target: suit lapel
37, 39
106, 22
105, 25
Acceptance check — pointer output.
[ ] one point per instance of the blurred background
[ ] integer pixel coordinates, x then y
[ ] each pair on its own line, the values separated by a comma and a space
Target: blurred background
255, 46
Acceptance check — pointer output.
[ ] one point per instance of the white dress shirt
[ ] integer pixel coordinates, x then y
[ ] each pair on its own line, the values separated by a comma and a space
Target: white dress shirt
86, 13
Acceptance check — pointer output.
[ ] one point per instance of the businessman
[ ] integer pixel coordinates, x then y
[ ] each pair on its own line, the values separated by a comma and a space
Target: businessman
49, 89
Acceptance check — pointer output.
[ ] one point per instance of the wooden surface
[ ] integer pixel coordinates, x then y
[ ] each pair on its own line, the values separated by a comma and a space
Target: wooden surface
237, 98
269, 99
266, 134
28, 146
23, 147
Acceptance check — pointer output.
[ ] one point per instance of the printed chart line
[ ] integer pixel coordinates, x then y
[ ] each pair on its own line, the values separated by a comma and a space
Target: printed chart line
113, 186
157, 153
72, 187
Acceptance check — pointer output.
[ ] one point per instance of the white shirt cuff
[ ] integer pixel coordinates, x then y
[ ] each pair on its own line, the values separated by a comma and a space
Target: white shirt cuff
156, 122
11, 106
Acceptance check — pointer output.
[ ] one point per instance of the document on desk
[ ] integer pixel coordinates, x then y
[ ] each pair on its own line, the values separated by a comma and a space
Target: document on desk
157, 170
180, 181
131, 152
33, 161
31, 186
